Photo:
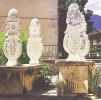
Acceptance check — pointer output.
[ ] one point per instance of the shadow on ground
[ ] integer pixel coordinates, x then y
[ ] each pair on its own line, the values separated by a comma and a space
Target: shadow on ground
43, 98
45, 95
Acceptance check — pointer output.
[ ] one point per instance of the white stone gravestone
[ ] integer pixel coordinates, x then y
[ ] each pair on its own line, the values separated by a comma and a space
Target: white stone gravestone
76, 42
12, 44
34, 46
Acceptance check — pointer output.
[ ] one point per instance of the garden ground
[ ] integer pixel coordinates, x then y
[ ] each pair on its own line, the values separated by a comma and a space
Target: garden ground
46, 95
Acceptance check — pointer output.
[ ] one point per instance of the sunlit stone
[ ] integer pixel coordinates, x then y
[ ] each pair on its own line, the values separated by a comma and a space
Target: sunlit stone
34, 46
12, 44
76, 42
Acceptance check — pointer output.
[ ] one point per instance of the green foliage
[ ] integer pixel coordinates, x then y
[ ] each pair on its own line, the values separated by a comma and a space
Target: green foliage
96, 35
43, 81
2, 38
24, 59
90, 26
93, 49
64, 4
93, 79
3, 59
45, 72
45, 69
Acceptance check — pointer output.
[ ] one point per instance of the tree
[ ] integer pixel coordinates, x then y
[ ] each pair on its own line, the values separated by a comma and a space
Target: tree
63, 8
64, 4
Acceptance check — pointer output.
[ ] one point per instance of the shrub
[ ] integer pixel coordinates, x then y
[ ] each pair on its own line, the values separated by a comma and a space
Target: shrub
93, 79
43, 82
93, 49
3, 59
24, 59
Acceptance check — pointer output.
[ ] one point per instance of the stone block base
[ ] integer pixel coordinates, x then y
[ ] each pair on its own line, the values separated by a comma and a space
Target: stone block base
73, 76
17, 80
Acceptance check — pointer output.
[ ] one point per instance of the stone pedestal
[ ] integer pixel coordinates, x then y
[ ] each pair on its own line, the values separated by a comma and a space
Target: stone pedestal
73, 76
18, 79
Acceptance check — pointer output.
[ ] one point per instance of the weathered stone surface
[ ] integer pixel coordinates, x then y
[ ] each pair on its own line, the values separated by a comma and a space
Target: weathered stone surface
73, 76
12, 44
18, 79
34, 45
76, 42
